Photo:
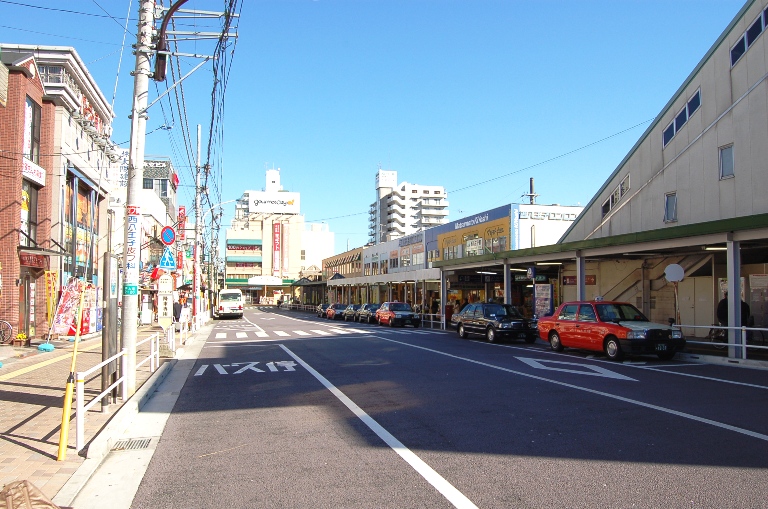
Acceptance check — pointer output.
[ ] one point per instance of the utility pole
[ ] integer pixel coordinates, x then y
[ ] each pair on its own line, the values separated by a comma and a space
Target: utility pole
132, 246
196, 252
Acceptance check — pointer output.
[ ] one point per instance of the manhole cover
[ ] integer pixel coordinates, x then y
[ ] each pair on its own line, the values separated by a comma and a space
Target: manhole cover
131, 444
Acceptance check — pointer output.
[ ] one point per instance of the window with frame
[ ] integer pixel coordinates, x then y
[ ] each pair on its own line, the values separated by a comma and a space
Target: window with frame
670, 207
749, 37
568, 312
685, 114
726, 162
32, 112
28, 227
148, 183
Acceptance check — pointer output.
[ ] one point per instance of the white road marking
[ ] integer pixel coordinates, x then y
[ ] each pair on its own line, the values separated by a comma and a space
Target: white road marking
339, 331
241, 334
261, 334
450, 492
593, 370
281, 333
670, 411
221, 335
301, 333
321, 332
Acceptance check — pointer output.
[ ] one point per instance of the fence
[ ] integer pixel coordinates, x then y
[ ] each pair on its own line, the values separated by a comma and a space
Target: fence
720, 338
81, 407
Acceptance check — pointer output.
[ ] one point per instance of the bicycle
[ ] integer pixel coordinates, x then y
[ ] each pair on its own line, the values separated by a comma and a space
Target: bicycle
717, 336
6, 332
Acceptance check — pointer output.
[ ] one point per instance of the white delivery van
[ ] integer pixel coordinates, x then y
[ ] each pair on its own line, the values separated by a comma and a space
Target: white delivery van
230, 303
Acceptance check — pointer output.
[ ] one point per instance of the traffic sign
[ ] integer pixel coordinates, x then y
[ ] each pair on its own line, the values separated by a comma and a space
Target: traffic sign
166, 261
167, 235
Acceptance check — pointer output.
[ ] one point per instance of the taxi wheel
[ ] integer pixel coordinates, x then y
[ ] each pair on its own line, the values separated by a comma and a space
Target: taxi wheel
462, 332
490, 335
391, 322
613, 349
555, 343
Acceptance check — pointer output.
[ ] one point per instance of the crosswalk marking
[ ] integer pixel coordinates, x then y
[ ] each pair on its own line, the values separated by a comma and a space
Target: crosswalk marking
221, 335
321, 332
241, 334
330, 331
261, 334
301, 333
281, 333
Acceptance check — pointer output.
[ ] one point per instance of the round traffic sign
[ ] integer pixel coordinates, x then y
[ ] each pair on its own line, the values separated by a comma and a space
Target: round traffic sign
167, 235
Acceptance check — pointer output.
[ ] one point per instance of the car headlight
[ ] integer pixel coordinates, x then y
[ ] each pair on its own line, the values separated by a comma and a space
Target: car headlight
398, 315
677, 334
633, 334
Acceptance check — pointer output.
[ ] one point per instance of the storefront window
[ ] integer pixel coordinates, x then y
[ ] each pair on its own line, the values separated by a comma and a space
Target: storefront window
28, 235
32, 131
80, 230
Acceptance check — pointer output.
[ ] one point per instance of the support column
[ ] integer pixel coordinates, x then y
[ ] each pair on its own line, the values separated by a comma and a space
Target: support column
581, 272
733, 271
507, 283
443, 297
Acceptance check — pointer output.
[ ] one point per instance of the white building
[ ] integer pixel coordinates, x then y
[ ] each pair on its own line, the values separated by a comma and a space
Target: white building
269, 246
403, 209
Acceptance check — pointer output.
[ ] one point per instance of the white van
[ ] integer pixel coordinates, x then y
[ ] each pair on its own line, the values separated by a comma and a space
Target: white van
230, 303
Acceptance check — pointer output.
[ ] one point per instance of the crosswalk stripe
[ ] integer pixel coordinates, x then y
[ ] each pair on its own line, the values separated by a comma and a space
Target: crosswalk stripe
241, 334
321, 332
221, 335
281, 333
262, 334
340, 331
301, 333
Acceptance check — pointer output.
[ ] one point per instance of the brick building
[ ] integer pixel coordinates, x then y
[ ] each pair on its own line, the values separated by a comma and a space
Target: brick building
56, 165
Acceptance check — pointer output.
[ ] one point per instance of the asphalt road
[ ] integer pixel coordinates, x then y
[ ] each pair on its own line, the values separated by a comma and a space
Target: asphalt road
287, 410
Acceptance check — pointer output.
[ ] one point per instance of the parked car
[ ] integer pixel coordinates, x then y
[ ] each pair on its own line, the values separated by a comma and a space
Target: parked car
616, 328
350, 311
334, 311
495, 322
397, 313
321, 310
367, 313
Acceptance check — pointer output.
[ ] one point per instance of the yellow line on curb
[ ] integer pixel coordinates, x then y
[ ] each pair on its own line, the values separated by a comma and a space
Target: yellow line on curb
39, 365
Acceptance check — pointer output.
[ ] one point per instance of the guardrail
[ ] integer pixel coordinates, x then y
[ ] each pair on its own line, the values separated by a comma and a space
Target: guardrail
81, 407
747, 336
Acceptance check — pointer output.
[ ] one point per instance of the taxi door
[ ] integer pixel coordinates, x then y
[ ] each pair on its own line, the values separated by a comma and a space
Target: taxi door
585, 327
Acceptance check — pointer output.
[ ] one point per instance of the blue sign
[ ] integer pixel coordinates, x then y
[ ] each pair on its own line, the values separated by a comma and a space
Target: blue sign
167, 235
167, 261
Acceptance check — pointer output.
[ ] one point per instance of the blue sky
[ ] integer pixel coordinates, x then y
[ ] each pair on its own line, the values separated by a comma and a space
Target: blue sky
445, 92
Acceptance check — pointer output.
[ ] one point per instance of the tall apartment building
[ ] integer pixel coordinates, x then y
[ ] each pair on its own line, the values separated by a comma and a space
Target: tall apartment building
403, 209
269, 246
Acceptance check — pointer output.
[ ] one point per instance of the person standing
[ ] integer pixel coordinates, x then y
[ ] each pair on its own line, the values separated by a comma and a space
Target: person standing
722, 311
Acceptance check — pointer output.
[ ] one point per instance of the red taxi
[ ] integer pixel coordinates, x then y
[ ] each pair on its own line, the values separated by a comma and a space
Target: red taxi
616, 328
335, 311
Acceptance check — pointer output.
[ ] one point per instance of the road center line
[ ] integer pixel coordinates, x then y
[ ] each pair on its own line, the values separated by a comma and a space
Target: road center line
453, 495
670, 411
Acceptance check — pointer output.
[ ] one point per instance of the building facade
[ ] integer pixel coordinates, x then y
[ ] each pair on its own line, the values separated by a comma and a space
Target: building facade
57, 164
403, 209
269, 246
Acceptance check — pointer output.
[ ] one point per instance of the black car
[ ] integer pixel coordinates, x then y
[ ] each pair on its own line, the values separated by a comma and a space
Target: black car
367, 313
350, 312
321, 309
495, 322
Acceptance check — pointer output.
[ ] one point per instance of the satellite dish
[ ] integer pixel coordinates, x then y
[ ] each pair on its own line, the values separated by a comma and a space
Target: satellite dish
674, 273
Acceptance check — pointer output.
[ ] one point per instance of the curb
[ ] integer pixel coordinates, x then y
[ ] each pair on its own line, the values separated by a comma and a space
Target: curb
101, 444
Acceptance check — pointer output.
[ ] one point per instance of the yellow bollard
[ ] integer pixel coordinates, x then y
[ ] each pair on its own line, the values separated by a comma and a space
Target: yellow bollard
67, 410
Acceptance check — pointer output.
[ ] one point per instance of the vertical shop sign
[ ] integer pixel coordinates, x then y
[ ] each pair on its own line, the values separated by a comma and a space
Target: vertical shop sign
182, 222
132, 251
276, 249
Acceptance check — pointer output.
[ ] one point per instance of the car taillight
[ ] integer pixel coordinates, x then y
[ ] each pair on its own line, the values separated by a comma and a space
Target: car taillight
221, 308
239, 307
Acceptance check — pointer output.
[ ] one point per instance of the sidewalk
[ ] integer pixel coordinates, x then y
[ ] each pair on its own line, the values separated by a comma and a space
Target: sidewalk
32, 386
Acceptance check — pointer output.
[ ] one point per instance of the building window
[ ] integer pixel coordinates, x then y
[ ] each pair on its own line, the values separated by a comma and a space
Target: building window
749, 37
670, 207
28, 214
691, 107
726, 162
32, 131
303, 254
616, 196
148, 184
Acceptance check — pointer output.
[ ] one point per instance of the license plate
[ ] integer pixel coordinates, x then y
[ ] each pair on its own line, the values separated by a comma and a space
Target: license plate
661, 347
407, 321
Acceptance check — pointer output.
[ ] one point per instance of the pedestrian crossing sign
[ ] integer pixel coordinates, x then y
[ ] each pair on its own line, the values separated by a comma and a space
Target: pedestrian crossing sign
167, 260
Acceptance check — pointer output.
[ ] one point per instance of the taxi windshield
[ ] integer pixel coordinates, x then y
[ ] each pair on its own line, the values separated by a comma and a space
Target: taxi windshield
622, 312
400, 306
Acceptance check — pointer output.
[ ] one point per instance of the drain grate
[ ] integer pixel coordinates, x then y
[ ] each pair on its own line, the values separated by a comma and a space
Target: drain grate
131, 444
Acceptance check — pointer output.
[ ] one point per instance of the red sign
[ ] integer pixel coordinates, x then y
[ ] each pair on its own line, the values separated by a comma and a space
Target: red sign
182, 221
588, 279
276, 249
33, 260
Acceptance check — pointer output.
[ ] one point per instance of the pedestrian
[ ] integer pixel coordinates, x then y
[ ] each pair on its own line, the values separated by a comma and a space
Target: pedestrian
722, 311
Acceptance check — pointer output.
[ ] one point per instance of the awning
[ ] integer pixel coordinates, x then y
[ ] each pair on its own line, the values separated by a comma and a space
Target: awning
40, 251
